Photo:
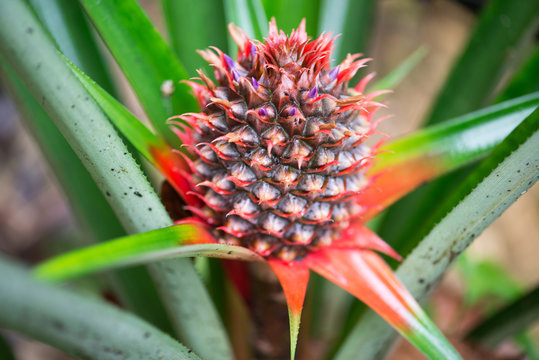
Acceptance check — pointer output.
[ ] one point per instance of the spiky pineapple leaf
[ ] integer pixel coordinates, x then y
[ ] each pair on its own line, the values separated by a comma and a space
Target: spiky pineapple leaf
135, 131
365, 275
508, 321
506, 174
405, 163
146, 60
82, 327
294, 278
44, 71
152, 147
95, 215
67, 24
184, 240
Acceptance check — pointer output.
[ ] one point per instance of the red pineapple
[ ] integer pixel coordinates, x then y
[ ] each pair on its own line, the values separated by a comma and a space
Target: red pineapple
280, 143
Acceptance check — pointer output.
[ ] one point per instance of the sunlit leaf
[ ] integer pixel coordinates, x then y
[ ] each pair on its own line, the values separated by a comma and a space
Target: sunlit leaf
185, 240
470, 85
405, 163
160, 154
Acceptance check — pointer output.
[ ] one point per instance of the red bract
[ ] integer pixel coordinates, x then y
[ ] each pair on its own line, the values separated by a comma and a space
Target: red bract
279, 165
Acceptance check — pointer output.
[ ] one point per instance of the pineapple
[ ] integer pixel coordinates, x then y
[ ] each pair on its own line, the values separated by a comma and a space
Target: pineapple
280, 143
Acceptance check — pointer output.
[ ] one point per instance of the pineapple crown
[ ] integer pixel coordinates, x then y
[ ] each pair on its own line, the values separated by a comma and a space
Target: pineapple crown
278, 148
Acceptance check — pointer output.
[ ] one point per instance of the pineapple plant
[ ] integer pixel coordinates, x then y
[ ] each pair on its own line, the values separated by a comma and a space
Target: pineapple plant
278, 166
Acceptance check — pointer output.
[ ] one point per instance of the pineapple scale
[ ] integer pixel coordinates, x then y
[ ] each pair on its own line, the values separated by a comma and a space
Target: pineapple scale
279, 144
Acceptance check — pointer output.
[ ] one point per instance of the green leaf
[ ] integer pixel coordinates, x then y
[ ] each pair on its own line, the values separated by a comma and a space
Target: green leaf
508, 321
499, 180
405, 163
486, 281
528, 344
352, 19
462, 139
470, 84
129, 126
96, 216
68, 27
248, 15
82, 327
187, 34
176, 241
290, 13
44, 71
93, 212
146, 60
394, 78
525, 78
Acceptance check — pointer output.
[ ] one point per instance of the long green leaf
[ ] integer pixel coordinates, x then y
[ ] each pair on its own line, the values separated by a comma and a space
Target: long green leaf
97, 218
129, 126
146, 60
404, 164
183, 17
67, 24
508, 321
352, 19
94, 214
44, 71
470, 84
82, 327
176, 241
461, 139
68, 27
511, 169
